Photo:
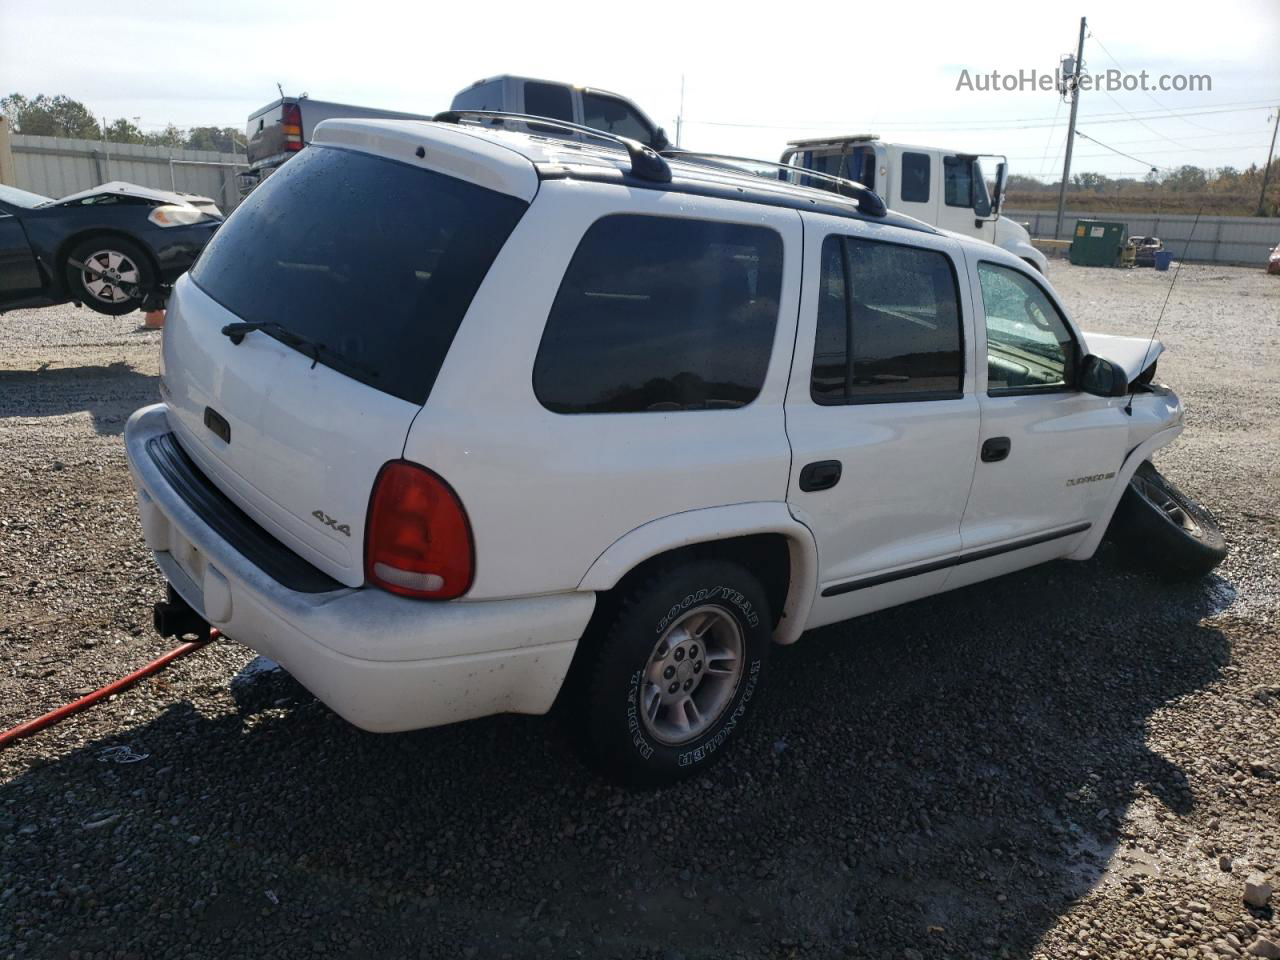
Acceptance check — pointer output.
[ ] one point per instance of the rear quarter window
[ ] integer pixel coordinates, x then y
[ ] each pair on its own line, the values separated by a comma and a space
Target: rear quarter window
661, 314
375, 260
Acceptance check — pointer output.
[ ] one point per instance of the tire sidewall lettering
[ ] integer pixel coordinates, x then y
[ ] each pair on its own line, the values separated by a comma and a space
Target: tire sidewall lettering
744, 606
729, 723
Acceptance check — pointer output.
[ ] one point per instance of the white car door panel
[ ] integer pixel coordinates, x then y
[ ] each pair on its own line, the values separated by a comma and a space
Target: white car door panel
1053, 448
905, 446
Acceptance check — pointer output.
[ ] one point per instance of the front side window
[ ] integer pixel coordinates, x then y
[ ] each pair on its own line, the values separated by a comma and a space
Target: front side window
915, 178
659, 314
888, 324
614, 116
548, 100
1029, 346
957, 182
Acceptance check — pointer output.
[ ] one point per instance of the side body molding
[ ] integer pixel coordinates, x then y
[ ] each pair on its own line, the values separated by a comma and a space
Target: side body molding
720, 523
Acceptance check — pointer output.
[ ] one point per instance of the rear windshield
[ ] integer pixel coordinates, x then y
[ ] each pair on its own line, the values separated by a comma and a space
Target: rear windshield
371, 262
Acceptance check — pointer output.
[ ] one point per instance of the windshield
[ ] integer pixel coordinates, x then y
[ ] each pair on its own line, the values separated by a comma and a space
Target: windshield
21, 198
364, 264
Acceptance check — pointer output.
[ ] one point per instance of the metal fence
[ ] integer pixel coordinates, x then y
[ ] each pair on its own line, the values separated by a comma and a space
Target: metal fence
1245, 240
56, 166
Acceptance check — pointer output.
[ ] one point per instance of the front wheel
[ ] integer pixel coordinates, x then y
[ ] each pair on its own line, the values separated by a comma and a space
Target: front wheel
109, 274
672, 676
1161, 527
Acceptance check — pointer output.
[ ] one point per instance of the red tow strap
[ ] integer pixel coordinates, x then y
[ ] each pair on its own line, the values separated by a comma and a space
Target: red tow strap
53, 716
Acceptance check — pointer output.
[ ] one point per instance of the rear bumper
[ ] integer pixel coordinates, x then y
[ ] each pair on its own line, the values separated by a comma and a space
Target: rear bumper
383, 662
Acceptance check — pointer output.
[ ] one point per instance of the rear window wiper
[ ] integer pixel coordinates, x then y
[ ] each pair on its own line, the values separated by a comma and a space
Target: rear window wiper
236, 332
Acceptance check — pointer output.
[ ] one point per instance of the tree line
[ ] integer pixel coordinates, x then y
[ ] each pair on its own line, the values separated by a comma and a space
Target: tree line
61, 116
1226, 191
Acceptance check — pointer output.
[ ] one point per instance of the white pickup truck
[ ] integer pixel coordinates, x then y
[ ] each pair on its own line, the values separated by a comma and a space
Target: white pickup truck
456, 421
946, 188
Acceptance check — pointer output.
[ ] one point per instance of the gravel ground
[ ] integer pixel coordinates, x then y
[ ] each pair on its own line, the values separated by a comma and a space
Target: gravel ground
1075, 761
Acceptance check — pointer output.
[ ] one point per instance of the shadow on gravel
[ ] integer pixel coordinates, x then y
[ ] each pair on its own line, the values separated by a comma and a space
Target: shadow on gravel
948, 776
108, 393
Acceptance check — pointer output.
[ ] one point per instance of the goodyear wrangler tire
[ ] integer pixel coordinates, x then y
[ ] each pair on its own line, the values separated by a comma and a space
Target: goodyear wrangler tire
1162, 528
675, 673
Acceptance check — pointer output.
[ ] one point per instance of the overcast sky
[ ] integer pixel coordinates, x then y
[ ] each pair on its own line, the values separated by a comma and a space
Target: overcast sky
754, 76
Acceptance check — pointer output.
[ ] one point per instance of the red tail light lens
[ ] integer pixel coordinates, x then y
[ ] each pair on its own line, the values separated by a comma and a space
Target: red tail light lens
417, 538
291, 126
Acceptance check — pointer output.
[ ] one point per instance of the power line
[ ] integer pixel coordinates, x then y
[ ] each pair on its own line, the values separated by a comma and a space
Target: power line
1149, 95
1198, 136
1229, 149
1049, 140
1128, 156
1028, 123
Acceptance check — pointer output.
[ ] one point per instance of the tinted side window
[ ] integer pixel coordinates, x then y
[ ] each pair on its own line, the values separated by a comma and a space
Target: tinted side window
957, 182
611, 114
548, 100
888, 324
915, 177
1029, 346
660, 314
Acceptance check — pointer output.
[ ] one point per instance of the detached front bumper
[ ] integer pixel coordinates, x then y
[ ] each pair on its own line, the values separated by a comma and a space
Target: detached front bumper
383, 662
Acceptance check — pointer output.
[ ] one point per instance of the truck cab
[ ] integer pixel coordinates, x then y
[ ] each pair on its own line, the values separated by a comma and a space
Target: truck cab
585, 106
946, 188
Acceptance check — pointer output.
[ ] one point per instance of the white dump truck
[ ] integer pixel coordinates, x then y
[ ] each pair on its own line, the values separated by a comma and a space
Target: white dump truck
946, 188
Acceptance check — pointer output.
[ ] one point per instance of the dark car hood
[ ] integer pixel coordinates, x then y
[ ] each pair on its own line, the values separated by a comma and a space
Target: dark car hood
137, 190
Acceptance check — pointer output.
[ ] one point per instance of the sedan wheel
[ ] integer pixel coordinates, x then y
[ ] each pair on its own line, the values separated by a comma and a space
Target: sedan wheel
112, 276
109, 274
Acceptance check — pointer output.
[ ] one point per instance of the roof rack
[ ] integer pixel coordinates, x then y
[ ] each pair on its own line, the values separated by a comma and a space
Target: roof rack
835, 141
646, 163
869, 201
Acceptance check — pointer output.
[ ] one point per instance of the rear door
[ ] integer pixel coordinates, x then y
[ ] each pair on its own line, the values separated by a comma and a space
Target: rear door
1048, 449
362, 269
881, 412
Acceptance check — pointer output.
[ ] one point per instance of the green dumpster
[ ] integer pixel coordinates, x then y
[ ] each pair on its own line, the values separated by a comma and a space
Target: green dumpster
1098, 243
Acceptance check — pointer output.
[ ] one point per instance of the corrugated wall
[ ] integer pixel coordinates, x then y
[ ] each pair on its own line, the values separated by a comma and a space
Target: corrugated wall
1245, 240
55, 167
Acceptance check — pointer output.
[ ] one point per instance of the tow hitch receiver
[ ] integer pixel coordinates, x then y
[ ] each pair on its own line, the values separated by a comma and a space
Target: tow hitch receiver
175, 618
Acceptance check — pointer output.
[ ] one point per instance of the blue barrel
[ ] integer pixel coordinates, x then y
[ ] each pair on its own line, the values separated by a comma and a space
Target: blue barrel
1163, 259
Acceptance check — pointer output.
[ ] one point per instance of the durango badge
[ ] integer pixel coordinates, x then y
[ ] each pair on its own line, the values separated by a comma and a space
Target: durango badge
1094, 478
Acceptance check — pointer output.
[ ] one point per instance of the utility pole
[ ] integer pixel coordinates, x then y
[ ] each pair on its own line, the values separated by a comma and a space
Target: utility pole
1071, 131
1262, 197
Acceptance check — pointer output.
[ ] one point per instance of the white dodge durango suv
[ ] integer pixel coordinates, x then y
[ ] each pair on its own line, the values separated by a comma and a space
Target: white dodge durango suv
458, 419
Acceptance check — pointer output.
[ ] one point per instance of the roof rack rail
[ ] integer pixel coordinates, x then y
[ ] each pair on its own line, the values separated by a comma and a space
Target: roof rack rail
646, 163
869, 202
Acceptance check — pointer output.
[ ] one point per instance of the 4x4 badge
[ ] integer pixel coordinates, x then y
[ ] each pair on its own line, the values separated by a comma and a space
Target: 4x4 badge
328, 521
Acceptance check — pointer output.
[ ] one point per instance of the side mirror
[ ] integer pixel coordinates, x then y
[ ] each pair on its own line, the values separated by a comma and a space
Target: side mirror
1102, 378
660, 141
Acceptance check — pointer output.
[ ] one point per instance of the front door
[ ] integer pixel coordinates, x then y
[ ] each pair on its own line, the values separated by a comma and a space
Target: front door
881, 412
1048, 451
965, 202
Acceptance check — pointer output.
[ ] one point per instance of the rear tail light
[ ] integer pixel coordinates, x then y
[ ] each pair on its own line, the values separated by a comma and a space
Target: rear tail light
417, 538
291, 126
